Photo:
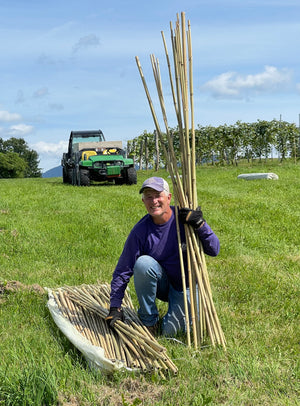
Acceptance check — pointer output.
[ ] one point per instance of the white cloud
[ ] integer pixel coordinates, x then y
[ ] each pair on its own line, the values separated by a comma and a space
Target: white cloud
233, 85
8, 117
19, 130
50, 154
47, 148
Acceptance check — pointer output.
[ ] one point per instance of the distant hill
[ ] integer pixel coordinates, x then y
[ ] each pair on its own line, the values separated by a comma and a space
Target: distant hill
53, 173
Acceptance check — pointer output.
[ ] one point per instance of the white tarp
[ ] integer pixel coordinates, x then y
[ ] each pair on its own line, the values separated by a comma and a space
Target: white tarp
93, 354
251, 176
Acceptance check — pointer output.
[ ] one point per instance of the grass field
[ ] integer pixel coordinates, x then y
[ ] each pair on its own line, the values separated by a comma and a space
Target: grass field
53, 234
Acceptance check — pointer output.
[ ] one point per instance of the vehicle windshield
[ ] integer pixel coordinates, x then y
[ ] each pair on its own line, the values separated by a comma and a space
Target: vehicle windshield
96, 138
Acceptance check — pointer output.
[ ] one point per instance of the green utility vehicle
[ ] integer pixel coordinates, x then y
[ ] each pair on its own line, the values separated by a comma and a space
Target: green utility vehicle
91, 158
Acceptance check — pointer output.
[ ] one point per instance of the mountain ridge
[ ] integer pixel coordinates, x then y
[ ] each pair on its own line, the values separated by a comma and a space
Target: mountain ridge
53, 172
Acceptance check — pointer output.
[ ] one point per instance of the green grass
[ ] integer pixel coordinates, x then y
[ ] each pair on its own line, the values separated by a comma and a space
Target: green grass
53, 234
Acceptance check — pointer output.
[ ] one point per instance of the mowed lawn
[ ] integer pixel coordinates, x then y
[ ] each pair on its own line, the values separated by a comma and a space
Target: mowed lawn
53, 235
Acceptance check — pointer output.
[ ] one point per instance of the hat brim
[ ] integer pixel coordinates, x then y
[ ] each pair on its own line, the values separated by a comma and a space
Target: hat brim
150, 187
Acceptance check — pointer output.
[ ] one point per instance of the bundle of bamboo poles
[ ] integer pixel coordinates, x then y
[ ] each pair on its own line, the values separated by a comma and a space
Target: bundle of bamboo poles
203, 316
86, 308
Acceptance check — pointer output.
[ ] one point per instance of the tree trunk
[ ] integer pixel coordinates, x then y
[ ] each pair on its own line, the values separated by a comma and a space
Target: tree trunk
141, 155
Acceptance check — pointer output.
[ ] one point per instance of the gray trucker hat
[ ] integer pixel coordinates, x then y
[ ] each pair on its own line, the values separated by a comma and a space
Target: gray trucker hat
155, 183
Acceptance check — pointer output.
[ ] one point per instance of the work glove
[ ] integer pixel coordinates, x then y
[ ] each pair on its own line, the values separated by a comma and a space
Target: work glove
192, 217
114, 314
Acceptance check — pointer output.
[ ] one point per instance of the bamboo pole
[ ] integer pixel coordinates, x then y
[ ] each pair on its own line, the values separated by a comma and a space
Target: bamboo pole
186, 310
129, 342
203, 313
193, 153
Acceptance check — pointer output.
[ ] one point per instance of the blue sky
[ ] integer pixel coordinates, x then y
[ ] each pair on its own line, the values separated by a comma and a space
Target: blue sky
70, 65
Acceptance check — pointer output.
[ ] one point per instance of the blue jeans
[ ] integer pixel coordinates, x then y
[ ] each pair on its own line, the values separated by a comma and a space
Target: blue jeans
151, 282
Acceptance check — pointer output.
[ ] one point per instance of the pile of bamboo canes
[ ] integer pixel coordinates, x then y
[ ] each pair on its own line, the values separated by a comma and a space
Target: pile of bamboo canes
86, 308
202, 315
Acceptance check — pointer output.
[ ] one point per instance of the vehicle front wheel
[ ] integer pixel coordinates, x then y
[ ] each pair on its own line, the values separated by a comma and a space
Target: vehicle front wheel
84, 177
131, 176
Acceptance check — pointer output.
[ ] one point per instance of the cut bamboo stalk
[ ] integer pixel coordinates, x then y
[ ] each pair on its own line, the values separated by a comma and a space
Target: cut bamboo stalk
128, 357
186, 309
105, 343
148, 348
203, 314
192, 299
193, 154
131, 343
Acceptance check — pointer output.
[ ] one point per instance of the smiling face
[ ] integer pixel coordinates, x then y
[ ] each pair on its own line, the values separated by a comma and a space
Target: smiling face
157, 205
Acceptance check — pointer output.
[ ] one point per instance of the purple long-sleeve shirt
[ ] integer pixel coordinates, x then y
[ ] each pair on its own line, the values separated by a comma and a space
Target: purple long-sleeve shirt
161, 243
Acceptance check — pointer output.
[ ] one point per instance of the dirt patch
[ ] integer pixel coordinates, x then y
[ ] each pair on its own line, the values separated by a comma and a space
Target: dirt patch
129, 392
70, 401
134, 389
14, 286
